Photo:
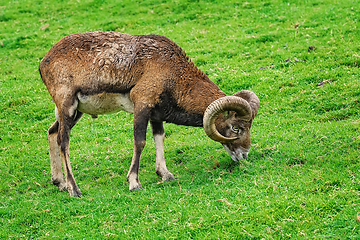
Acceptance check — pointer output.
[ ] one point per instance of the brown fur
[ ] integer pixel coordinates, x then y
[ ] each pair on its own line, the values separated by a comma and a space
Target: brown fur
162, 83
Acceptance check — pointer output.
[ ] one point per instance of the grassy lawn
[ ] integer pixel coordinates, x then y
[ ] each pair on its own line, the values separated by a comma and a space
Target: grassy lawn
302, 177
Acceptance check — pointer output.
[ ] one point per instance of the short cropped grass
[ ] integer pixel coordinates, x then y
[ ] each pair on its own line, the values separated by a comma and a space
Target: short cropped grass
302, 177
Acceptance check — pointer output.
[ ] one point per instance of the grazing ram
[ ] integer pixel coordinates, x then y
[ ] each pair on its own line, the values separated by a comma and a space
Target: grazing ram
147, 75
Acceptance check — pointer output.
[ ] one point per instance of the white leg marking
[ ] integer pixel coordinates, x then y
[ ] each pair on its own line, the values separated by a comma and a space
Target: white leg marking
134, 183
70, 181
133, 177
160, 166
55, 163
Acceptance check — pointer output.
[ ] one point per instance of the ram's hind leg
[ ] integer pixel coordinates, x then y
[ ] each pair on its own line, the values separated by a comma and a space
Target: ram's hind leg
58, 136
57, 177
159, 136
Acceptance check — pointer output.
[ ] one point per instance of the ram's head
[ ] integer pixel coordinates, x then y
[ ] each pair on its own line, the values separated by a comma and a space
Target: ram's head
228, 121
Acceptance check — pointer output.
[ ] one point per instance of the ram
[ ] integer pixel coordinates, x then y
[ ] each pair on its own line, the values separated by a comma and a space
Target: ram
147, 75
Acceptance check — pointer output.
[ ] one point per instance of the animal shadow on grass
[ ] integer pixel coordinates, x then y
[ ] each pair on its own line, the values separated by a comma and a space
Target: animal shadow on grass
229, 166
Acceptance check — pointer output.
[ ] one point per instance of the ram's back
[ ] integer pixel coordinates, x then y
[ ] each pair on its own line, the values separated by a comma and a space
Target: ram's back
109, 61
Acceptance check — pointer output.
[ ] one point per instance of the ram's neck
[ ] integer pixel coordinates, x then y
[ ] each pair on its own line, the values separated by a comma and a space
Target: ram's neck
186, 103
197, 98
192, 99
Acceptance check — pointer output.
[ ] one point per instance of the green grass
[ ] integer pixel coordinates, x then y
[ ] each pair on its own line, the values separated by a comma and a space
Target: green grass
302, 177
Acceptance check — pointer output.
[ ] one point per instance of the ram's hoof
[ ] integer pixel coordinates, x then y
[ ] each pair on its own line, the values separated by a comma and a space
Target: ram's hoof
75, 192
168, 177
136, 189
135, 186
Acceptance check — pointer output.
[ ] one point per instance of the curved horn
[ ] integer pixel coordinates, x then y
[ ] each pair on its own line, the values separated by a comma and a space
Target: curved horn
251, 98
228, 103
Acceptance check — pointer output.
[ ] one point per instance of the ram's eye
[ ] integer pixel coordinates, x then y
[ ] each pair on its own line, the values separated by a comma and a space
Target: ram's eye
235, 129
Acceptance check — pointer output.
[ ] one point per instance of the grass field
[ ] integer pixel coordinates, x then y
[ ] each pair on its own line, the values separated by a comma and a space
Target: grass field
302, 177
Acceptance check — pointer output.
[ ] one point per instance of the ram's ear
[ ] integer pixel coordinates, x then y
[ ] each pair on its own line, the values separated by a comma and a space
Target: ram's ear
226, 114
251, 98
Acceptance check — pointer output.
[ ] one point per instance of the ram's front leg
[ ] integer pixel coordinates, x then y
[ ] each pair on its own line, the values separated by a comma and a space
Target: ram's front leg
159, 136
141, 119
